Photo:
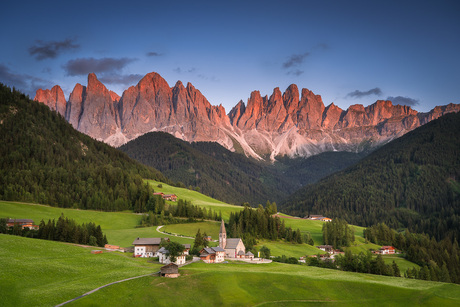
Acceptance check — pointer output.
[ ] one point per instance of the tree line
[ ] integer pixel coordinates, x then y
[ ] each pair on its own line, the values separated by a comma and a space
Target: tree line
438, 260
63, 230
252, 224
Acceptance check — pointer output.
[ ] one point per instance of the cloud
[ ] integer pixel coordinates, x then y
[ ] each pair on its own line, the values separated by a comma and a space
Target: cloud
49, 50
153, 53
295, 60
83, 66
24, 82
403, 100
180, 70
120, 79
296, 72
359, 94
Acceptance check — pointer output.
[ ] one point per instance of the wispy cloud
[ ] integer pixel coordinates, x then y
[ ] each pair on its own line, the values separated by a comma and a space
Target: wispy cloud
42, 50
153, 53
24, 82
115, 78
83, 66
403, 100
359, 94
295, 60
181, 70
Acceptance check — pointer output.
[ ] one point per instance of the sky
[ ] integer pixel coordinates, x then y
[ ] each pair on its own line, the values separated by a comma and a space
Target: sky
349, 52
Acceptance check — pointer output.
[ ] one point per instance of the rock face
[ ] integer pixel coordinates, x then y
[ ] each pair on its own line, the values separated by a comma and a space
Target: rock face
53, 98
264, 127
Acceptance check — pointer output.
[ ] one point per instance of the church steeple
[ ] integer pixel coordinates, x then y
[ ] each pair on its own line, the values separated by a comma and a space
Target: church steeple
222, 236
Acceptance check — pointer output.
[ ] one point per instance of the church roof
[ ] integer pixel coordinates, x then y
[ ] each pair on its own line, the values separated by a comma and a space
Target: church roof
147, 241
232, 243
222, 227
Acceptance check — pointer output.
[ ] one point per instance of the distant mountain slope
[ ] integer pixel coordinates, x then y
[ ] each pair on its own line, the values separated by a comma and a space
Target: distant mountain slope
411, 182
43, 159
229, 176
218, 172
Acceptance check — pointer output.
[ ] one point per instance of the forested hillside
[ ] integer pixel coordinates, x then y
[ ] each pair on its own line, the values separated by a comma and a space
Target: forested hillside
411, 182
229, 176
43, 159
217, 171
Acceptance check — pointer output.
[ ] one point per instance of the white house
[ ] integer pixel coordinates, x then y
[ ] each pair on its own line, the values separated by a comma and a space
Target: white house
146, 247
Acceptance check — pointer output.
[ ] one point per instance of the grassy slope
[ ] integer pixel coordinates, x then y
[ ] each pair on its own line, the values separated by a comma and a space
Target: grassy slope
43, 273
239, 284
196, 198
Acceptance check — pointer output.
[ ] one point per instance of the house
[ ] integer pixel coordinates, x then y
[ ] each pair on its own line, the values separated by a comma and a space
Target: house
208, 238
212, 254
170, 270
326, 219
159, 194
234, 247
146, 247
23, 223
315, 217
171, 197
187, 249
163, 256
327, 248
111, 247
387, 250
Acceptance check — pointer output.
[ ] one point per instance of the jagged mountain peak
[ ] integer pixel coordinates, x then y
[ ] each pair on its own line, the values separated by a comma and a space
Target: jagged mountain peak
289, 123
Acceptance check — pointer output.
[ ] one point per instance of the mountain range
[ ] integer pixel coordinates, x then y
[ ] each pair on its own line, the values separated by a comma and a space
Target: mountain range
290, 123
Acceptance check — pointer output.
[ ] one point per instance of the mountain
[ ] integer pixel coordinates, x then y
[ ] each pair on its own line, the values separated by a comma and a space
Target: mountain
413, 182
44, 159
229, 176
289, 123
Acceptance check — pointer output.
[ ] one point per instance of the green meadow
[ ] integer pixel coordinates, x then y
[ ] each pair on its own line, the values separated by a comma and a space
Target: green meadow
45, 273
196, 198
211, 228
275, 284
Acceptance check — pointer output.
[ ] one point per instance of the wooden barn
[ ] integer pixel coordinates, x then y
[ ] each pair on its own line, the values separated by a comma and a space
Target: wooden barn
171, 270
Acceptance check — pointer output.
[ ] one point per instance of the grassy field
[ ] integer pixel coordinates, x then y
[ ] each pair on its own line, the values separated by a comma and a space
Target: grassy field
120, 227
280, 248
210, 228
196, 198
240, 284
45, 273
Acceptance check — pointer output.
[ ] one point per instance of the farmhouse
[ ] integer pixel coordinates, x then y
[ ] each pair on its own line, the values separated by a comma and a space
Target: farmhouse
387, 250
163, 257
315, 217
171, 197
187, 249
234, 247
170, 270
212, 254
23, 223
159, 194
326, 219
326, 248
146, 247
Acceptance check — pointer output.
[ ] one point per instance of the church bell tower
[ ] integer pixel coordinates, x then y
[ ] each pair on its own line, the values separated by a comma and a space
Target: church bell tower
222, 236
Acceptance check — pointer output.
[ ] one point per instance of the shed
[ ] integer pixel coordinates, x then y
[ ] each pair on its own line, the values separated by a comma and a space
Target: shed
171, 270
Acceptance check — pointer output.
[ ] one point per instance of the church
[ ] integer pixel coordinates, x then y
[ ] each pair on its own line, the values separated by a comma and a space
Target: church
234, 247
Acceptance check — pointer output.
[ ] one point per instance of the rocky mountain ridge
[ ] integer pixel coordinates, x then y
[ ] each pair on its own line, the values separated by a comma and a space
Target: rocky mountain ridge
265, 127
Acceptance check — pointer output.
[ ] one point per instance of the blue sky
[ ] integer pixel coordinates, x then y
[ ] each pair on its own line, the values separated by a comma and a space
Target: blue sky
348, 52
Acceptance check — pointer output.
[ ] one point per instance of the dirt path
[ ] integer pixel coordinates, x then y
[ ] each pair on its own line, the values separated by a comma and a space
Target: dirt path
119, 281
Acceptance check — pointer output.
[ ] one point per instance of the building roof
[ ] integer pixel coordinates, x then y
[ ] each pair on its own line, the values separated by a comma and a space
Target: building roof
325, 246
387, 247
188, 246
163, 250
232, 243
170, 268
147, 241
222, 227
240, 252
20, 221
249, 254
218, 249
